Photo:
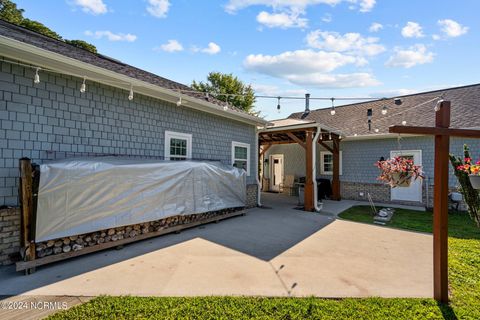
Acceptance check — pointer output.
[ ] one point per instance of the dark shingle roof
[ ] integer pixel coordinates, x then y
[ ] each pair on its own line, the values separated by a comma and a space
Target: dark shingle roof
33, 38
352, 119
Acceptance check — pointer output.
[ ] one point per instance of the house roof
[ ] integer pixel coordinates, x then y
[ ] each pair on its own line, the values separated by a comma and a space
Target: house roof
20, 34
415, 109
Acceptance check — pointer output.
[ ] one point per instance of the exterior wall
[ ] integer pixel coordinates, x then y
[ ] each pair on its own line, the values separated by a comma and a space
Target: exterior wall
53, 120
358, 172
9, 234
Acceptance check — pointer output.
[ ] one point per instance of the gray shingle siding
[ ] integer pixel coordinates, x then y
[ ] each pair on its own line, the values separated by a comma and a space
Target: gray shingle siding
49, 119
359, 156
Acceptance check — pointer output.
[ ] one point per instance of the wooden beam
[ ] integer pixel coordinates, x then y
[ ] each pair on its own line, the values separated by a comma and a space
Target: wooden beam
26, 209
323, 144
288, 130
336, 169
265, 148
308, 191
277, 142
24, 265
465, 133
296, 139
440, 206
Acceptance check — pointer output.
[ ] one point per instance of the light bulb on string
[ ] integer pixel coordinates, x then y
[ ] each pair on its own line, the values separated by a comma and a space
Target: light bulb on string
36, 79
130, 95
438, 105
278, 105
384, 110
404, 123
83, 87
376, 130
179, 101
332, 110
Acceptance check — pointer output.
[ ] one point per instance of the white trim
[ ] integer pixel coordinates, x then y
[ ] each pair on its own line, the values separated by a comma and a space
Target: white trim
322, 153
177, 135
50, 60
281, 157
244, 145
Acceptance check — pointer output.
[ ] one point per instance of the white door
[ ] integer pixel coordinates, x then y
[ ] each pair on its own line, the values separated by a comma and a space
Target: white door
414, 191
276, 172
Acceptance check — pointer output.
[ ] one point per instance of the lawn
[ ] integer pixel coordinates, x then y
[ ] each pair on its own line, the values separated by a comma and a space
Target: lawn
464, 255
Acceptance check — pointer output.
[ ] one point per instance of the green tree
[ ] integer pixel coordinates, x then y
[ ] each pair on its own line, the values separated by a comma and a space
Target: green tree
10, 13
470, 195
82, 44
224, 86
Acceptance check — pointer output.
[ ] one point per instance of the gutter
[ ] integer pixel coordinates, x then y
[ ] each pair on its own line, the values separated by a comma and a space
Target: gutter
257, 158
17, 50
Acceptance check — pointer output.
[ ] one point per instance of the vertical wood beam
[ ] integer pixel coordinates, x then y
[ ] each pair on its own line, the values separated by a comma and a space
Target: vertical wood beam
336, 169
440, 206
26, 207
308, 201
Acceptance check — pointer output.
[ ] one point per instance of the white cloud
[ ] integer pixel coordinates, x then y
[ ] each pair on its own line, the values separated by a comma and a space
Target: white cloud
327, 18
349, 42
235, 5
282, 20
412, 30
92, 6
112, 36
375, 27
158, 8
272, 90
367, 5
407, 58
393, 93
170, 46
310, 68
322, 80
452, 28
212, 48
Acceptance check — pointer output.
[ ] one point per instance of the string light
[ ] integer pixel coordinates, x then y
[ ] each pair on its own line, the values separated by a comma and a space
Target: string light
332, 111
179, 101
83, 87
404, 123
278, 105
376, 130
130, 95
384, 110
36, 79
225, 107
355, 135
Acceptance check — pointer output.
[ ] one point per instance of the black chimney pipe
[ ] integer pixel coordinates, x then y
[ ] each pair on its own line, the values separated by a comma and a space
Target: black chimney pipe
307, 102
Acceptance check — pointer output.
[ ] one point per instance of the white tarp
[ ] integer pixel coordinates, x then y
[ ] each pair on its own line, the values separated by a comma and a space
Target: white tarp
84, 195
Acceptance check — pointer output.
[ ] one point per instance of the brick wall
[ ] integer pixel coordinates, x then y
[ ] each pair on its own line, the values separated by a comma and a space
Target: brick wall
52, 120
9, 234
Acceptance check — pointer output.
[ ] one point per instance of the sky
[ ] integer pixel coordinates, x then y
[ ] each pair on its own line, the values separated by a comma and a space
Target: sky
328, 48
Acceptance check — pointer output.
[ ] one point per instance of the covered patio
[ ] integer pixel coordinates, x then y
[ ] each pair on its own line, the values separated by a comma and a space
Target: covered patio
308, 135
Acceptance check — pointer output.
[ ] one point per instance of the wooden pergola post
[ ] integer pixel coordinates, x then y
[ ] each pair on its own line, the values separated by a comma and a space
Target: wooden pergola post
308, 200
440, 206
442, 134
336, 168
26, 207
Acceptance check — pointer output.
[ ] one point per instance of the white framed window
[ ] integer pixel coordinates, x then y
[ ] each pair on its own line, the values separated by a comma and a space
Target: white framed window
178, 146
326, 162
241, 156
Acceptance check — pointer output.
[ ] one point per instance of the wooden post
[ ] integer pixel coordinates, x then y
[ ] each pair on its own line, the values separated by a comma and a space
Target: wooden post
440, 206
336, 169
308, 200
26, 207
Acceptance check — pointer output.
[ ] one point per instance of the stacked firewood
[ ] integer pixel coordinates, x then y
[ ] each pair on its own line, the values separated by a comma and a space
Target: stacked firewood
79, 242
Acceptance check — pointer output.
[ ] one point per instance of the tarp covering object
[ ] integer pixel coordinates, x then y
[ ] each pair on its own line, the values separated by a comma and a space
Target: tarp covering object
85, 195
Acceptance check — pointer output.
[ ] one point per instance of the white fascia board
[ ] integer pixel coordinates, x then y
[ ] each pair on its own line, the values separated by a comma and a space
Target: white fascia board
27, 53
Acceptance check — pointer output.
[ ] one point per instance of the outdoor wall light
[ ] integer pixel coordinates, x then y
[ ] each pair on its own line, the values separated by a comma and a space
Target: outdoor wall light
384, 110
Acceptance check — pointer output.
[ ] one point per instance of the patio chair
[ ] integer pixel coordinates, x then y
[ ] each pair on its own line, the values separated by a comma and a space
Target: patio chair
288, 184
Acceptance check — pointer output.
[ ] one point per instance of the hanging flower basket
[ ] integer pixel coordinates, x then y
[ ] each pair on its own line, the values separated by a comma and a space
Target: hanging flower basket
398, 172
475, 181
473, 171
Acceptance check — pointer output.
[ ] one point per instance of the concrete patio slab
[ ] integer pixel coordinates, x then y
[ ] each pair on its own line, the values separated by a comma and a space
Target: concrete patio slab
269, 252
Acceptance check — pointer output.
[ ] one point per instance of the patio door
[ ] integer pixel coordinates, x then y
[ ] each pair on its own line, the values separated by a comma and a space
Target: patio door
276, 172
414, 191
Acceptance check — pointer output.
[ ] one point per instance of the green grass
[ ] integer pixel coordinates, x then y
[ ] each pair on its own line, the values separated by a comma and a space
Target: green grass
464, 263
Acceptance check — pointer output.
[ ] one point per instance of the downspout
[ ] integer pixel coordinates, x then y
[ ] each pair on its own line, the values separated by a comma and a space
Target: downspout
317, 207
257, 159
